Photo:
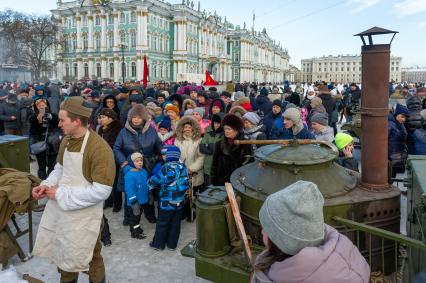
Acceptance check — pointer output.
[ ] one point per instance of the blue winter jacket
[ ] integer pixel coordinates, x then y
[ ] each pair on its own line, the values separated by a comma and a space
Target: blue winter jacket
135, 185
129, 141
173, 181
280, 133
419, 137
397, 136
269, 121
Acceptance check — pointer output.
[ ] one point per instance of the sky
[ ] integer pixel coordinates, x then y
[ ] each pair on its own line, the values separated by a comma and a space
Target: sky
312, 28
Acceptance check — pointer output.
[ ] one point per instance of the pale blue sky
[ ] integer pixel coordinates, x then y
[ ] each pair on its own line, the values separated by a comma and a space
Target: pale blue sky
311, 28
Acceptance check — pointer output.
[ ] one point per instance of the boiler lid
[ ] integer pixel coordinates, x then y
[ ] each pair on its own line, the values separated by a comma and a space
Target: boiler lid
297, 154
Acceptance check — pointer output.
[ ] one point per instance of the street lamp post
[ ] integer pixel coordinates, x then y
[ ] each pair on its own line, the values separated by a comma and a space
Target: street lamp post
122, 46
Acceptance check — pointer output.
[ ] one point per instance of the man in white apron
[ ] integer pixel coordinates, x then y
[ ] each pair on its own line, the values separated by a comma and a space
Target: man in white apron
69, 230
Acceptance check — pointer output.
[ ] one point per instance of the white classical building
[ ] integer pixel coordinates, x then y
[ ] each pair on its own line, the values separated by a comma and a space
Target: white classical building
110, 41
341, 69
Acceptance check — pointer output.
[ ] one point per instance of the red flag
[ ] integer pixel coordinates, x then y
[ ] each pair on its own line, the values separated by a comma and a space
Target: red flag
210, 80
145, 72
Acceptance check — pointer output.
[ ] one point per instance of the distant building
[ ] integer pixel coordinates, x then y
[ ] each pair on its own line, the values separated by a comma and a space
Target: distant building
342, 68
294, 74
413, 74
180, 41
14, 73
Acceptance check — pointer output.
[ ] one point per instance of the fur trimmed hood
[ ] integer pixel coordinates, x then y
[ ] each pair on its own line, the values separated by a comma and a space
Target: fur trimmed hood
237, 110
195, 126
188, 101
138, 110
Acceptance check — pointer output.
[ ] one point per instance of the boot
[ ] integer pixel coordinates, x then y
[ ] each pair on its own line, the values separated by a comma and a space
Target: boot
42, 174
137, 233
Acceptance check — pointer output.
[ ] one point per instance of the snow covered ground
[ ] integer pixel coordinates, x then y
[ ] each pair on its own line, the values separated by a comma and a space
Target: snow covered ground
127, 260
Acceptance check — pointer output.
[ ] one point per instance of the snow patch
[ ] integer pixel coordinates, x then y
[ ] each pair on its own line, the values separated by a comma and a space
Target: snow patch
10, 276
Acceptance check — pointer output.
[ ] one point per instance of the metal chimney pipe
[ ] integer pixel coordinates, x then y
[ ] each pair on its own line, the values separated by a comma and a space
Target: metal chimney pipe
374, 112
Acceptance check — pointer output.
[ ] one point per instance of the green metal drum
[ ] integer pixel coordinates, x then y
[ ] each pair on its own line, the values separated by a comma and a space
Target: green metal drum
212, 227
14, 153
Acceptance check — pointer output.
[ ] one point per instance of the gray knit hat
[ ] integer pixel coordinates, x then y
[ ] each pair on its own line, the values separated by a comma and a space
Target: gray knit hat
293, 217
200, 110
320, 118
238, 95
252, 118
292, 114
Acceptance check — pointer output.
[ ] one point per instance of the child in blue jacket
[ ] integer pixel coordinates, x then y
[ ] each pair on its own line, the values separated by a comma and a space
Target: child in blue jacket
136, 188
173, 181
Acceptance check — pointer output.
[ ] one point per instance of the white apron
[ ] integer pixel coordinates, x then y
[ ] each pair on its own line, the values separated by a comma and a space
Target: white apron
69, 237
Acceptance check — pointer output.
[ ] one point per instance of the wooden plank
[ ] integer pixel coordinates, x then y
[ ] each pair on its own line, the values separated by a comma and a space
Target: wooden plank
239, 222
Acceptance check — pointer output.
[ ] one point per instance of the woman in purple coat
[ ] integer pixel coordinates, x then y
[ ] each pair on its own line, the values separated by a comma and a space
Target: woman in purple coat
300, 247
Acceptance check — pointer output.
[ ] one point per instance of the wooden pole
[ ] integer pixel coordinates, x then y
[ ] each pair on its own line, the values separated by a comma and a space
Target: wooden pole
239, 222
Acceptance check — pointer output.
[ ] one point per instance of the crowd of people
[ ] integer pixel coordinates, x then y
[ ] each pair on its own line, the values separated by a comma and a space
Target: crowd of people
168, 139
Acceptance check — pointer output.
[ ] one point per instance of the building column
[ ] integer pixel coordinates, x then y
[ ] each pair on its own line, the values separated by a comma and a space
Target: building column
116, 34
138, 29
175, 71
139, 68
104, 68
91, 69
175, 35
144, 29
78, 27
80, 69
59, 69
116, 69
103, 33
90, 38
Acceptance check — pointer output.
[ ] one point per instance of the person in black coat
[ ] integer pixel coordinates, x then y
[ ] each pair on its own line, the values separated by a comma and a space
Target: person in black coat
227, 155
42, 123
397, 139
414, 121
271, 118
263, 104
109, 129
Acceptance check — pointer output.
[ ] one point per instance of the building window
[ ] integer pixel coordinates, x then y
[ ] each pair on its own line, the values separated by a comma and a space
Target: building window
155, 21
154, 43
133, 39
73, 22
110, 40
122, 18
319, 69
74, 43
123, 70
98, 70
111, 70
133, 69
110, 19
154, 69
396, 68
75, 70
85, 43
237, 57
67, 71
97, 20
122, 37
84, 21
166, 71
133, 17
97, 41
86, 70
347, 69
392, 68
